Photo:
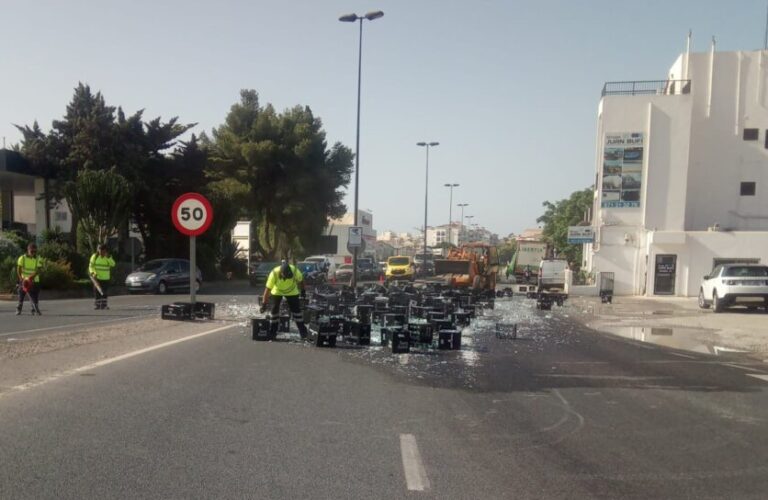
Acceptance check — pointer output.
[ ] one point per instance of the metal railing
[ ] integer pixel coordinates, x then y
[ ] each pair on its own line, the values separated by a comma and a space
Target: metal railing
648, 87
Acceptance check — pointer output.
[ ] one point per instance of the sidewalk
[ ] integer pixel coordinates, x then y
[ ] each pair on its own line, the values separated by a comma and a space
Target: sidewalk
677, 323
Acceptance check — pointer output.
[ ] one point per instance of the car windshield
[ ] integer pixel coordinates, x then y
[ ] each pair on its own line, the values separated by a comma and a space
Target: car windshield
345, 267
307, 267
152, 265
746, 272
398, 261
266, 266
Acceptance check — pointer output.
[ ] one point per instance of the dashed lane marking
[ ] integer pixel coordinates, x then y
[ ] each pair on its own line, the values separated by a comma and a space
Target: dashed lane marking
681, 355
415, 475
764, 378
109, 361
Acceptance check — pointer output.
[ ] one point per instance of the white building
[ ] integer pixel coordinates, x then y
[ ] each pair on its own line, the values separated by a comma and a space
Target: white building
682, 173
438, 235
340, 229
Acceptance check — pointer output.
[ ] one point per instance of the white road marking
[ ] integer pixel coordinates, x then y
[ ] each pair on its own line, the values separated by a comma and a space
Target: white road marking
597, 377
73, 325
740, 367
109, 361
415, 475
764, 378
679, 354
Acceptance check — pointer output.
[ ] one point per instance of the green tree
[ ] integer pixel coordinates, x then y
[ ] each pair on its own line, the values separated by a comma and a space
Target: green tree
293, 178
561, 214
101, 201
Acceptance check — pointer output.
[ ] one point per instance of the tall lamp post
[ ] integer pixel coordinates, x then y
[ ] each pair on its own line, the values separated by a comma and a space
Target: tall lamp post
461, 221
469, 219
426, 145
351, 18
450, 210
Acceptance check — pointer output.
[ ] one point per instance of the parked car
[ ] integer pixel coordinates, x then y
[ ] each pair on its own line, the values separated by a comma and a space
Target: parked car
367, 269
312, 273
552, 274
327, 264
735, 284
344, 272
260, 272
162, 276
400, 268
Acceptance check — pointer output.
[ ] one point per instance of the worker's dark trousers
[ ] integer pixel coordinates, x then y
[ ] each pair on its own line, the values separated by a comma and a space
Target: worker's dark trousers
100, 301
295, 306
34, 293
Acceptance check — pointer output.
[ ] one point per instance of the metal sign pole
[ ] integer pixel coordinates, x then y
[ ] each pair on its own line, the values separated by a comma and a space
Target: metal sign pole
192, 269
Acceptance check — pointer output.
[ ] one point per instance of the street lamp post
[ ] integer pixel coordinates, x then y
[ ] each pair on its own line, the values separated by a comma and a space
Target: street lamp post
450, 210
426, 145
351, 18
461, 221
469, 217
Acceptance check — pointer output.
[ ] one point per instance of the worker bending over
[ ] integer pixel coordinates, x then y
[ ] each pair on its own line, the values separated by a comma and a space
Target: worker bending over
285, 281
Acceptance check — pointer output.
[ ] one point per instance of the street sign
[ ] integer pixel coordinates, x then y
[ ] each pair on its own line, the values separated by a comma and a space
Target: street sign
360, 248
581, 234
192, 214
355, 239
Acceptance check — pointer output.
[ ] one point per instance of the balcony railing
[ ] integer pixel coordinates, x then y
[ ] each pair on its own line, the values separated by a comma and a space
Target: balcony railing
648, 87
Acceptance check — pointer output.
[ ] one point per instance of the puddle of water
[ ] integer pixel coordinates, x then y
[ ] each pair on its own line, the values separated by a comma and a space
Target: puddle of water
688, 339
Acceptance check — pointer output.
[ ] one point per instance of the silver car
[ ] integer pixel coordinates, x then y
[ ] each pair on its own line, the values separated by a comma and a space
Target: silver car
162, 276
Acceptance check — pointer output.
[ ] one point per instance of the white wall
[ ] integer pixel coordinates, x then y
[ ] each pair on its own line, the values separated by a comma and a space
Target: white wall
720, 158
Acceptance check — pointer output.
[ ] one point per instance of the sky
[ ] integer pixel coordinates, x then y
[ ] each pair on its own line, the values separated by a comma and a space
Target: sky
509, 89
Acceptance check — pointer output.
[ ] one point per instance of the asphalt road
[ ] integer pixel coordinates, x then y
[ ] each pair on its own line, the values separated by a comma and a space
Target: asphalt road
561, 412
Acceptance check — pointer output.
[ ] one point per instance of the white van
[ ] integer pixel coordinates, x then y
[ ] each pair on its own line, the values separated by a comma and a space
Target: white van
552, 274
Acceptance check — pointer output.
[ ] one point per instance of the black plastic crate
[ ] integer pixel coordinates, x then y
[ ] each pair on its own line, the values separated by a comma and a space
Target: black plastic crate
260, 329
422, 333
461, 318
204, 310
445, 339
284, 324
176, 312
360, 332
401, 341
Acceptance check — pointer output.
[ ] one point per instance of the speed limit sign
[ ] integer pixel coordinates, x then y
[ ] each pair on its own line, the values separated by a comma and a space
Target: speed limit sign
192, 214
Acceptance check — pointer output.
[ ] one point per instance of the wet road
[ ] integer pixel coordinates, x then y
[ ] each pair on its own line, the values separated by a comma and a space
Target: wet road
560, 412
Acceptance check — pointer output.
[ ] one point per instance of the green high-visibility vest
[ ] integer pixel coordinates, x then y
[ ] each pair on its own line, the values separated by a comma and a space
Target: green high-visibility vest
29, 265
101, 266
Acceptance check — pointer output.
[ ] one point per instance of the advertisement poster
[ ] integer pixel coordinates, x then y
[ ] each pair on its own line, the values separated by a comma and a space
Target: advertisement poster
581, 234
622, 170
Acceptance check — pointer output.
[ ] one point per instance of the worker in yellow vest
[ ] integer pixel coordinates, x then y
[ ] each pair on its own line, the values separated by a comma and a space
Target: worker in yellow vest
28, 271
285, 281
100, 270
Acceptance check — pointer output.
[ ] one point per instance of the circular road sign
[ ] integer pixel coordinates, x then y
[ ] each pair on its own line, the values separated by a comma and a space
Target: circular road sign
192, 214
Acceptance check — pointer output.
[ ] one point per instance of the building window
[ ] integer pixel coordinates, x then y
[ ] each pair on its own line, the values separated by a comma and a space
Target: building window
747, 189
60, 216
750, 134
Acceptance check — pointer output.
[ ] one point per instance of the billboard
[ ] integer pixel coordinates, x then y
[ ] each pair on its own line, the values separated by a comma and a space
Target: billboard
622, 170
581, 234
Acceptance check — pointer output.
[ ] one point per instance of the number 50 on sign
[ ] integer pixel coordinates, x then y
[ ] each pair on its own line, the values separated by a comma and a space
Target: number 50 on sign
192, 214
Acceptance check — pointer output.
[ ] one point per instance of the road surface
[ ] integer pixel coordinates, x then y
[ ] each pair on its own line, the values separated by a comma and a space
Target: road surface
178, 410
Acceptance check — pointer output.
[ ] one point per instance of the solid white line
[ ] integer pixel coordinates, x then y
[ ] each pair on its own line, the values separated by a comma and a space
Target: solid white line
682, 355
740, 367
415, 475
109, 361
764, 378
74, 325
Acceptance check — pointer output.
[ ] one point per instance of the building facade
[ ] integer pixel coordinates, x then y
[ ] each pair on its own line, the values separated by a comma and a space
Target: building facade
682, 174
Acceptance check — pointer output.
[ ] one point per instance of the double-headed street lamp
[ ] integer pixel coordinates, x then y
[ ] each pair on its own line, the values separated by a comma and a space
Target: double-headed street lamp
426, 145
450, 210
351, 18
461, 221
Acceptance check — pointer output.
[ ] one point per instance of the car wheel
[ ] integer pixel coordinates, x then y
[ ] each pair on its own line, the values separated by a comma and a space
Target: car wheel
717, 303
162, 288
702, 301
